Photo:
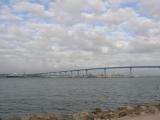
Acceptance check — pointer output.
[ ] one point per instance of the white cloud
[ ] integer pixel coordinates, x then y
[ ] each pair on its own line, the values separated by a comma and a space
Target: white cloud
150, 7
71, 34
97, 5
116, 3
32, 8
10, 17
119, 16
6, 14
112, 16
142, 25
145, 45
27, 6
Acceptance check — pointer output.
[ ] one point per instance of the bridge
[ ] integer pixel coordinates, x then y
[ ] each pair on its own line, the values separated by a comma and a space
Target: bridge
85, 72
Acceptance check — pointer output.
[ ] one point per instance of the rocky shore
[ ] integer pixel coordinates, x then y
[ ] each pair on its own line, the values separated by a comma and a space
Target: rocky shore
98, 114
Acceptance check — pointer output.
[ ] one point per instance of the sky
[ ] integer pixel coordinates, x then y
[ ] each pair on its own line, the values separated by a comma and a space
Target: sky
49, 35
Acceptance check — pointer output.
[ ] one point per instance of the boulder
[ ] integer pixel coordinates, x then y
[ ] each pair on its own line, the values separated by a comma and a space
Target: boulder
98, 110
66, 117
46, 117
14, 118
122, 114
153, 109
25, 118
158, 106
142, 113
129, 108
54, 117
143, 107
110, 115
83, 116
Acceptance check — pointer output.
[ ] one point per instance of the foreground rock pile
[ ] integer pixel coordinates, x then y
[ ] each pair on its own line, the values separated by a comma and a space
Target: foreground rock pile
98, 114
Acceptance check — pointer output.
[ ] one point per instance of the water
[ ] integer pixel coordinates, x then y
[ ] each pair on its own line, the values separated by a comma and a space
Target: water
28, 96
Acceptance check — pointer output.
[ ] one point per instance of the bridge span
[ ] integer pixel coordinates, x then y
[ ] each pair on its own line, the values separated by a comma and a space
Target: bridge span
85, 71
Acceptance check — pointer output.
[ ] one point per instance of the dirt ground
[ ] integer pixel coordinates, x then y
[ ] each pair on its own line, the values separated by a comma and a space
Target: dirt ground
145, 117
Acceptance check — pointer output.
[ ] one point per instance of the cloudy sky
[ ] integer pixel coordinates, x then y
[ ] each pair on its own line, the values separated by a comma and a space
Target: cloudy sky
48, 35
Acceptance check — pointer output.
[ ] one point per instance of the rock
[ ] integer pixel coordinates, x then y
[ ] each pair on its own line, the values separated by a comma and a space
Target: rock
98, 119
39, 117
142, 113
153, 109
105, 115
110, 115
158, 106
46, 117
122, 114
25, 118
14, 118
0, 118
101, 119
66, 117
54, 117
84, 116
97, 110
143, 107
130, 108
121, 108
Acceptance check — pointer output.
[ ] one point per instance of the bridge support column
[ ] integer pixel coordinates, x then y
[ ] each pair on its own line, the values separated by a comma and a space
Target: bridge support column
65, 73
71, 74
105, 73
60, 74
55, 74
130, 72
78, 74
86, 73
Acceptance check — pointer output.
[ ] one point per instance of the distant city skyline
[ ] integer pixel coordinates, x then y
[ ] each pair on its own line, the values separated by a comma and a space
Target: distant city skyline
47, 35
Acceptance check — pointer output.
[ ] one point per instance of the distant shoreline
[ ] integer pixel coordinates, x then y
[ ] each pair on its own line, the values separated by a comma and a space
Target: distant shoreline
78, 77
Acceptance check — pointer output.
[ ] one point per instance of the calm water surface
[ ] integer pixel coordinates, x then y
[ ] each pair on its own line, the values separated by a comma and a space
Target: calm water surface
28, 96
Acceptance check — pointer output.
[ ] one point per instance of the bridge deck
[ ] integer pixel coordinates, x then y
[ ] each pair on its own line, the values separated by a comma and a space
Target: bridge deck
100, 68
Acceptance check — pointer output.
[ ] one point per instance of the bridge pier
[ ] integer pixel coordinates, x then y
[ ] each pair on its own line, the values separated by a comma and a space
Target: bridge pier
71, 74
130, 72
54, 73
105, 73
60, 74
86, 71
78, 73
65, 74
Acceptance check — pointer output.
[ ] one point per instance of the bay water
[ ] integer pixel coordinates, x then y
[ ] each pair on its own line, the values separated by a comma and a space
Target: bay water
29, 96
